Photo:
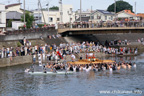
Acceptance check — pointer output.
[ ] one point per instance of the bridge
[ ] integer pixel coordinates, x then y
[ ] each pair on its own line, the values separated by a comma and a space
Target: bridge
103, 30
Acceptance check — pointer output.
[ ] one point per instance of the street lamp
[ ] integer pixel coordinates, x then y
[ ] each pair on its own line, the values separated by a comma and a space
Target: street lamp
70, 12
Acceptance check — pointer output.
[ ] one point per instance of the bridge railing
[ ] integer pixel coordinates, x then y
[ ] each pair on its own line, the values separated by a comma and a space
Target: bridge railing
30, 30
100, 25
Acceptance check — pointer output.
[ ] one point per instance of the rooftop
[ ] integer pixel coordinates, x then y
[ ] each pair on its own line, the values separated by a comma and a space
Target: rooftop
129, 12
15, 4
104, 12
141, 15
13, 15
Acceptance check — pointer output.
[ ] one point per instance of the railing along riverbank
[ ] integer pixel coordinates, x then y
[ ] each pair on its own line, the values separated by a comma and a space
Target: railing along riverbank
30, 30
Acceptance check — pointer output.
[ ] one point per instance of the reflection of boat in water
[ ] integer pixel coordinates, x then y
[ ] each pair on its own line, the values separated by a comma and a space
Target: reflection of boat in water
121, 55
51, 73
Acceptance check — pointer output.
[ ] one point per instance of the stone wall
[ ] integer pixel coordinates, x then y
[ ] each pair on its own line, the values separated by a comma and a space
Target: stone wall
5, 62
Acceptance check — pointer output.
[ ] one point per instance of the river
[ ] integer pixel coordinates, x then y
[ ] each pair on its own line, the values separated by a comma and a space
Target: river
14, 82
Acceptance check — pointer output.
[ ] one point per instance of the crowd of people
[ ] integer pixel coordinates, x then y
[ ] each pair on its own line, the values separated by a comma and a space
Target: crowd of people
54, 52
101, 24
48, 53
54, 67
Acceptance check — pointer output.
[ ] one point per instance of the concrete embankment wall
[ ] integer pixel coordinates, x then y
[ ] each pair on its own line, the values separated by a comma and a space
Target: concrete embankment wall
133, 37
8, 44
28, 35
5, 62
33, 37
80, 38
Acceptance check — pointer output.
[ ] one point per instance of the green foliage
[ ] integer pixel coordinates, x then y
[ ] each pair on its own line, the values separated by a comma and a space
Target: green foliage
10, 23
41, 25
28, 18
120, 5
18, 44
54, 8
21, 27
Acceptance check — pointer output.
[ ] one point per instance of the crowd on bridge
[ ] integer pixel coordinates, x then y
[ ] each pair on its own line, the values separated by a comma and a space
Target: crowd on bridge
101, 24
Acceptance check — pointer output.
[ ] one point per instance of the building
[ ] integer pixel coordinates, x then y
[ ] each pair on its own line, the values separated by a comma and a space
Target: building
2, 17
14, 12
13, 15
68, 14
41, 19
102, 15
85, 15
17, 24
53, 16
141, 15
83, 19
127, 14
14, 7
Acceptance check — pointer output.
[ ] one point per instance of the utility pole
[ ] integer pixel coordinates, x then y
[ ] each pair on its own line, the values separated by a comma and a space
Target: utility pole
42, 11
48, 11
61, 11
135, 7
24, 12
115, 7
91, 14
38, 12
80, 9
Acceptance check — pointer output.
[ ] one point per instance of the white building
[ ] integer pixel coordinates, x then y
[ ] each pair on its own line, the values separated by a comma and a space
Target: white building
127, 14
86, 13
53, 17
14, 7
67, 16
17, 24
102, 15
2, 17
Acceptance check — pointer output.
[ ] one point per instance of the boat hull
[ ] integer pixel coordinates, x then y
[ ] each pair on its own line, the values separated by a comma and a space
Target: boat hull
50, 73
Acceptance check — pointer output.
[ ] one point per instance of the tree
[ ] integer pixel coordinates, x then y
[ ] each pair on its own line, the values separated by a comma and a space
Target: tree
54, 8
9, 23
120, 5
28, 19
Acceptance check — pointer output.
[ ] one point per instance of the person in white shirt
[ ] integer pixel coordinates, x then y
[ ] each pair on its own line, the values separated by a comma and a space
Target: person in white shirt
73, 57
25, 48
34, 58
56, 58
43, 56
40, 59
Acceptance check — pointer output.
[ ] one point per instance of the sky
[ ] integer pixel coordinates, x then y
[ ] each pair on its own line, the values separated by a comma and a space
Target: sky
86, 4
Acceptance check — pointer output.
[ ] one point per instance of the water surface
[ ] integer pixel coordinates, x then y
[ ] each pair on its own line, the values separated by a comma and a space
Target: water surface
14, 82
